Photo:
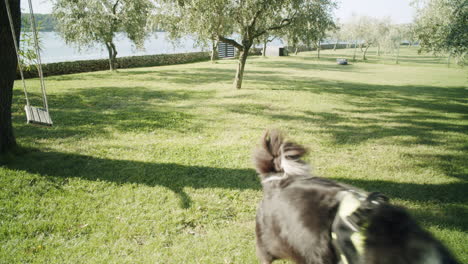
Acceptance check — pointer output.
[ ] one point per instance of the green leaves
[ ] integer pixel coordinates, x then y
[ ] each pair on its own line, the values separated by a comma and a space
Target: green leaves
311, 23
85, 22
443, 28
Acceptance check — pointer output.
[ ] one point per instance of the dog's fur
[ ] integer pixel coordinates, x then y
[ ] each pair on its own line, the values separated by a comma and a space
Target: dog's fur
294, 218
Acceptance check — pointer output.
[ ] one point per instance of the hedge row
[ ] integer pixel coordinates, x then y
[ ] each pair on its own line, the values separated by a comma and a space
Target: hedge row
67, 67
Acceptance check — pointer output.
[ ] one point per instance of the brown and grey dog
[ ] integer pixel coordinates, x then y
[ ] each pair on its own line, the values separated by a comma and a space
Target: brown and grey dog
315, 220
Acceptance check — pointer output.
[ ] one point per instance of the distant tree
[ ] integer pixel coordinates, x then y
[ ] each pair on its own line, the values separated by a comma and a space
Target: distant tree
392, 41
311, 25
443, 28
355, 30
27, 52
8, 66
322, 27
364, 32
87, 22
382, 28
346, 33
292, 39
203, 19
264, 40
45, 22
409, 33
241, 23
336, 34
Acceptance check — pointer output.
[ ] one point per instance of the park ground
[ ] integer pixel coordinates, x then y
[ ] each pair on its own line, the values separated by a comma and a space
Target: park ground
153, 165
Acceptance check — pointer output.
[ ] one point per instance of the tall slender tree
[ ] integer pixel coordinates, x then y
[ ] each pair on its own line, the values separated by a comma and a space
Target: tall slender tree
241, 22
311, 24
8, 68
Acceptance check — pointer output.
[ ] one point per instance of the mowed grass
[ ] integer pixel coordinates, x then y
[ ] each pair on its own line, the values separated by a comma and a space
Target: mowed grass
153, 165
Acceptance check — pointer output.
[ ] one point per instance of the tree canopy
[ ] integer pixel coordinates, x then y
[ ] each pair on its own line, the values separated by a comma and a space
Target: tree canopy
442, 27
45, 22
87, 22
311, 24
239, 22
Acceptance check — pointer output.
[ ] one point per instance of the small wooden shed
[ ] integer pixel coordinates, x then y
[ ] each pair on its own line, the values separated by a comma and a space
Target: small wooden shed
226, 50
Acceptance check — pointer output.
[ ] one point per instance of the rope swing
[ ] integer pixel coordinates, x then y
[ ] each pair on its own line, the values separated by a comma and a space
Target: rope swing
34, 115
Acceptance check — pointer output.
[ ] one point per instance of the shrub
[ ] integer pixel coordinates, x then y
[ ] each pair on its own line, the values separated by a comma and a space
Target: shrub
67, 67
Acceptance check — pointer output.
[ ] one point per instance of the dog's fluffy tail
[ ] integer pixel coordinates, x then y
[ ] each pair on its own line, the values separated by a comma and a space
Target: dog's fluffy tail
275, 155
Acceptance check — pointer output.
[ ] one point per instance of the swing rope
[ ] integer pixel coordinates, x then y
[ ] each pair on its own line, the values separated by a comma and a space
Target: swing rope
34, 115
39, 63
20, 66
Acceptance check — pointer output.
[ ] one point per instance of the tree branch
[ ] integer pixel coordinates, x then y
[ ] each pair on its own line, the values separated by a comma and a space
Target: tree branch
285, 22
114, 8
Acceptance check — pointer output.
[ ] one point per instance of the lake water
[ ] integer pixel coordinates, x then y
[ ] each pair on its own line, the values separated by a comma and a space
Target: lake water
54, 48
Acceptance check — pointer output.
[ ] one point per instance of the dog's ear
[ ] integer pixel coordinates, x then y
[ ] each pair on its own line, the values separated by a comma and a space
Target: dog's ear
272, 140
293, 151
267, 156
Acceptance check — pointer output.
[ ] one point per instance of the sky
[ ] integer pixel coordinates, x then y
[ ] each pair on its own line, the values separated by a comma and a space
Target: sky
399, 10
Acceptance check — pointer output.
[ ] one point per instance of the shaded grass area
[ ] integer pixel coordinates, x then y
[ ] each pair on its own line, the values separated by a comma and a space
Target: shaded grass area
152, 165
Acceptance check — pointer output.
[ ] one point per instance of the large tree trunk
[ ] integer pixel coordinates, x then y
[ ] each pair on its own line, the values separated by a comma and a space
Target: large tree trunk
334, 46
214, 51
241, 66
112, 55
8, 65
264, 48
378, 50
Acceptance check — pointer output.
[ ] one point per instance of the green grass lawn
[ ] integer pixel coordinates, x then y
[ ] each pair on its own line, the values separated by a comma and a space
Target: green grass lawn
153, 165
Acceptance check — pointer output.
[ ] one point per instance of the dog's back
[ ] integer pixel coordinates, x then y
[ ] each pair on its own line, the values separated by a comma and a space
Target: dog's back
294, 220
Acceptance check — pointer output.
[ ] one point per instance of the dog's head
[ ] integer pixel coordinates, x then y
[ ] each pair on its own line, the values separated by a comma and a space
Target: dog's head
277, 155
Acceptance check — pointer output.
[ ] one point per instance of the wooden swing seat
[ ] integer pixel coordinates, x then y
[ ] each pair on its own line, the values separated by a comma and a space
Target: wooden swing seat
36, 115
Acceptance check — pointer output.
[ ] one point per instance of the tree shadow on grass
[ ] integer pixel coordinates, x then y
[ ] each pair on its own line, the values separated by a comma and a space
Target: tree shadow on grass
85, 112
307, 66
447, 195
371, 111
406, 115
351, 127
60, 166
452, 165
